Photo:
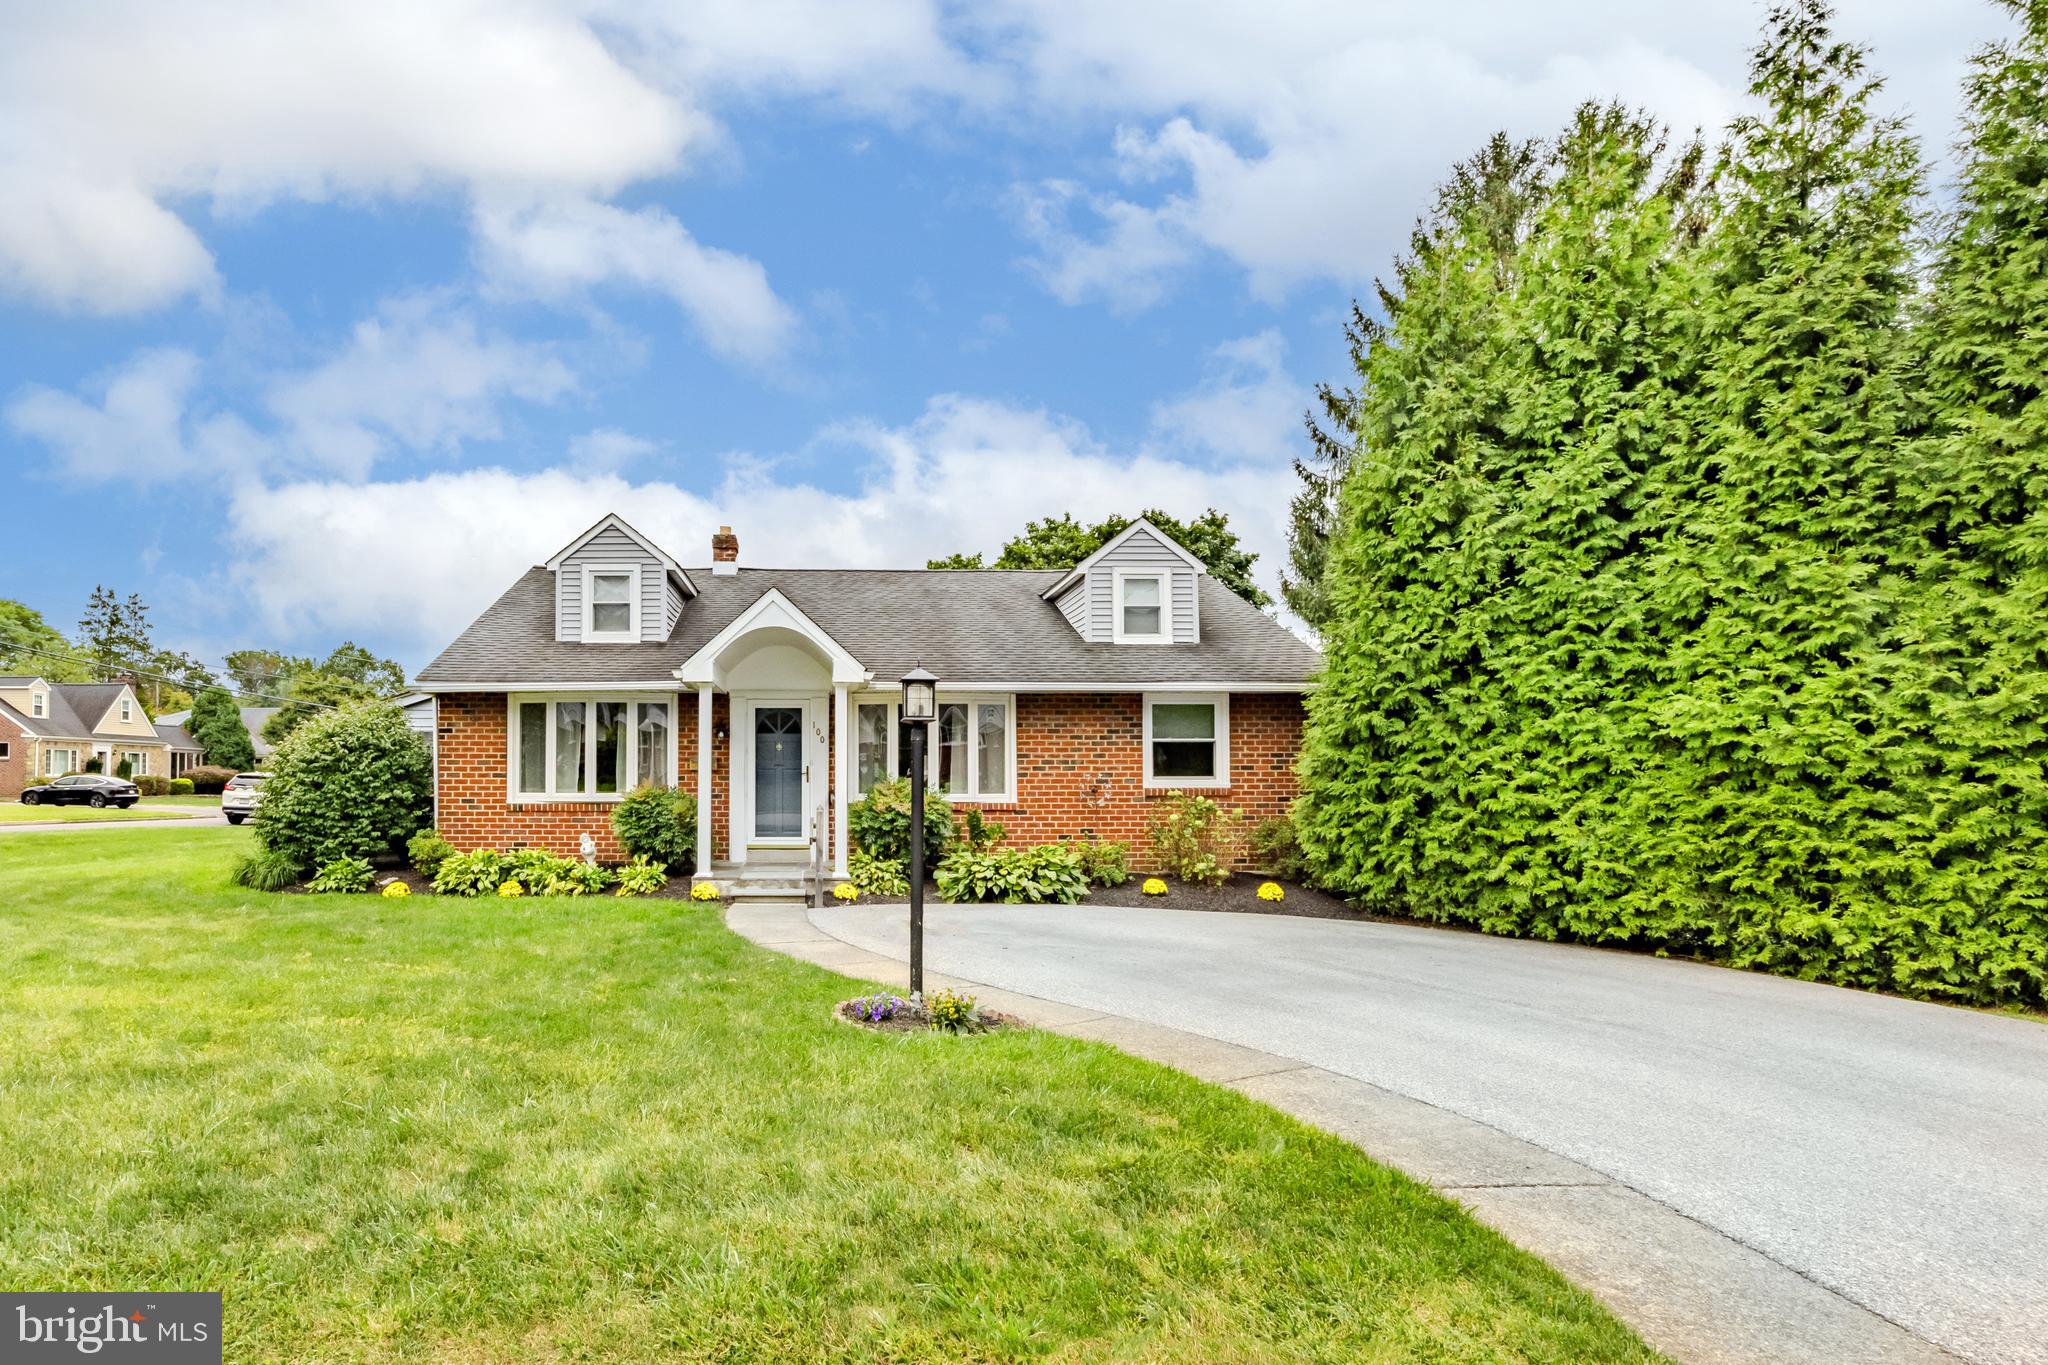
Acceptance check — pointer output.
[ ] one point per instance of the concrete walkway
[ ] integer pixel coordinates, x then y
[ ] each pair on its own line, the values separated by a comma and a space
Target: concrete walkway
1742, 1168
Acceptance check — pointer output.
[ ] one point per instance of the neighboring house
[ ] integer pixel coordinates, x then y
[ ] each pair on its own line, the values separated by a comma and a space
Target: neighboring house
184, 750
253, 718
49, 729
1069, 702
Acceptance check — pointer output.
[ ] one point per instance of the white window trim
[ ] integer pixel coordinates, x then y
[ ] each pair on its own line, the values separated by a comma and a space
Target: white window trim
591, 634
138, 762
629, 756
39, 705
127, 710
70, 762
1164, 578
1221, 701
894, 701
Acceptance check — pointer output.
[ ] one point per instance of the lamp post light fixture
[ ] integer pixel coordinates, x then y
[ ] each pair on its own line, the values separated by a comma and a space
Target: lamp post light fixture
920, 708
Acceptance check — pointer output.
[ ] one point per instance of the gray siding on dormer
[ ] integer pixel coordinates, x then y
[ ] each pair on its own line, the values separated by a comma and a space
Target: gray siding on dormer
660, 600
1143, 552
1073, 604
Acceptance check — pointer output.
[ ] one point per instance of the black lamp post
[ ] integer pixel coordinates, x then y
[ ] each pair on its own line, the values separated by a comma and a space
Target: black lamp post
920, 708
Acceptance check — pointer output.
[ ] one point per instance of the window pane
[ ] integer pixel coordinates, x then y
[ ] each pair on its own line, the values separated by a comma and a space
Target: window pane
1184, 758
871, 737
611, 739
991, 756
569, 747
655, 747
610, 602
1141, 592
952, 741
533, 746
1183, 720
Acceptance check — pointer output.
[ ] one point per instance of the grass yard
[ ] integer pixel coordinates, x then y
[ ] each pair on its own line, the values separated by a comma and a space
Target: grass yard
148, 808
613, 1130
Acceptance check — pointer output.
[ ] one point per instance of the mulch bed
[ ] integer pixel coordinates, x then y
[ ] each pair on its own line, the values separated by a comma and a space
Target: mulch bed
1239, 895
910, 1017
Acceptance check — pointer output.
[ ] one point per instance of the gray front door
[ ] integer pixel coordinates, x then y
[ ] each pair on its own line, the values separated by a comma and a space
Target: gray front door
778, 772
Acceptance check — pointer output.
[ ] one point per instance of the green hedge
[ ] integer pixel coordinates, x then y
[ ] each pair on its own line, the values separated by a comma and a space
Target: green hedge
350, 782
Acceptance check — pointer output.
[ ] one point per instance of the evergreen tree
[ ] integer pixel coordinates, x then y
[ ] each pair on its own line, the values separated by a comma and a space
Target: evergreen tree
1768, 809
113, 635
216, 723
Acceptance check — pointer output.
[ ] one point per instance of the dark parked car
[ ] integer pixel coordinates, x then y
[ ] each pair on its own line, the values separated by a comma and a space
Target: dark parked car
84, 789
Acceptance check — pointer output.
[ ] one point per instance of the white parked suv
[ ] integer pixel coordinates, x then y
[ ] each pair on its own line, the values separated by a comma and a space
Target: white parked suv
240, 797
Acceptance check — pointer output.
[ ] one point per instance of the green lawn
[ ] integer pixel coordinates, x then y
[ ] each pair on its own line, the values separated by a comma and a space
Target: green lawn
613, 1130
148, 808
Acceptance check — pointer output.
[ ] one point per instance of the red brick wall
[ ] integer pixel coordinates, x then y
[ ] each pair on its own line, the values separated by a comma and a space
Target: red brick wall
14, 773
1080, 767
1080, 771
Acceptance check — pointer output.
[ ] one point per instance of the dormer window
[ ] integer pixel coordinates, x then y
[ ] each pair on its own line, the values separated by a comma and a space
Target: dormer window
1141, 609
613, 605
39, 705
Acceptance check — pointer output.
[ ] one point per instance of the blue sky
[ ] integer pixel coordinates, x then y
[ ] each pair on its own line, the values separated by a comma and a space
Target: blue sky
322, 322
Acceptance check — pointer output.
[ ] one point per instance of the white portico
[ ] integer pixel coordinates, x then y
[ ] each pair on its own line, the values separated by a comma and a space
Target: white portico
788, 684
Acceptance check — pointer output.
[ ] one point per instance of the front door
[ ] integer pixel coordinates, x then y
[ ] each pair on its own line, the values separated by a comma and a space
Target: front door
778, 772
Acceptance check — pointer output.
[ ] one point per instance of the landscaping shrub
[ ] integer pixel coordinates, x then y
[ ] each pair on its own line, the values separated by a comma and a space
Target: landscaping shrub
642, 877
1104, 862
344, 876
658, 823
880, 823
149, 784
39, 782
261, 870
569, 877
1195, 838
207, 780
94, 765
124, 770
180, 786
1277, 849
872, 876
978, 834
470, 874
351, 781
426, 851
1047, 874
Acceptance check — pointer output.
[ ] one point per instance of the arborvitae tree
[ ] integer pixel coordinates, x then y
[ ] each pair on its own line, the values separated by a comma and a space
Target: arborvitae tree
1485, 578
1981, 495
1766, 817
216, 723
1489, 198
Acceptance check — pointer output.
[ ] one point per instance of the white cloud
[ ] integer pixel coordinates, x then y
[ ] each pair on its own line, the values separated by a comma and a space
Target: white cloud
131, 426
419, 558
561, 247
1247, 406
608, 450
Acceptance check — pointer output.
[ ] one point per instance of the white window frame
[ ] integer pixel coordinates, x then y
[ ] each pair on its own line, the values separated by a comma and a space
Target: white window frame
591, 634
127, 710
1219, 700
1164, 578
70, 762
138, 761
894, 701
629, 748
39, 705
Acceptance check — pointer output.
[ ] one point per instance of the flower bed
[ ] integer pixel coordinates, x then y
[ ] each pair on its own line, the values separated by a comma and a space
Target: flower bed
944, 1012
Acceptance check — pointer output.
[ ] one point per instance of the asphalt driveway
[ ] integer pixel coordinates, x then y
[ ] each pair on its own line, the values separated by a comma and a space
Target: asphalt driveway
1893, 1152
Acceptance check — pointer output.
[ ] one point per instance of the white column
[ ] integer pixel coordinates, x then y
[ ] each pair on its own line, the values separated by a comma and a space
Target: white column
704, 764
842, 786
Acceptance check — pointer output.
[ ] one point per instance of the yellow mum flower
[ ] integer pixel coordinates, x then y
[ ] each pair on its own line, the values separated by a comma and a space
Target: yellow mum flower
845, 891
704, 891
1272, 891
398, 889
1153, 887
511, 889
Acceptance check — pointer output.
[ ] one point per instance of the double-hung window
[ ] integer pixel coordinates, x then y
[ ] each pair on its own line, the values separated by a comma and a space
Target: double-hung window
1187, 739
1144, 608
970, 751
588, 748
138, 762
127, 710
39, 704
611, 605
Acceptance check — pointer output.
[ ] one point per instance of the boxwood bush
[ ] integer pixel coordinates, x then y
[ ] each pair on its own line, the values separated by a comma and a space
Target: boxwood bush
658, 823
880, 823
149, 784
1047, 874
354, 781
208, 780
181, 786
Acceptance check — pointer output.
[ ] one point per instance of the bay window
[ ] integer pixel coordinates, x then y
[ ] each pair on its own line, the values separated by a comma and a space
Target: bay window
1187, 739
970, 752
588, 748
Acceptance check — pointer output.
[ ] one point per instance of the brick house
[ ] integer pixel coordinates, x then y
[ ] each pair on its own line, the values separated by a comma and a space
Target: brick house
49, 729
1069, 702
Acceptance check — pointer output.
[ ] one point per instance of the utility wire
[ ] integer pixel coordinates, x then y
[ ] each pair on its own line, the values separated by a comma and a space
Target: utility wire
181, 684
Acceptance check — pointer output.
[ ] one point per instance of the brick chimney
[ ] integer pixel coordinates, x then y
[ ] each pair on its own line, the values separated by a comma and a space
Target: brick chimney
725, 551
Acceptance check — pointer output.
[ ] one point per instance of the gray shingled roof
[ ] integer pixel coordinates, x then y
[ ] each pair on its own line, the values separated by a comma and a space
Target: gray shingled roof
969, 626
177, 736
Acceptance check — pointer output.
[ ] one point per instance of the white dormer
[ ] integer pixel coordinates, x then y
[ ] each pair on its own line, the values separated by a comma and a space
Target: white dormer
28, 695
614, 586
1140, 588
